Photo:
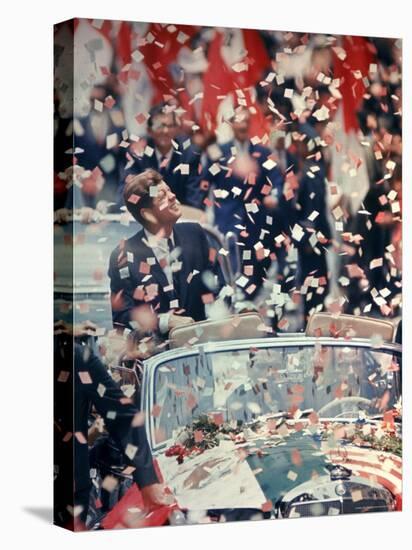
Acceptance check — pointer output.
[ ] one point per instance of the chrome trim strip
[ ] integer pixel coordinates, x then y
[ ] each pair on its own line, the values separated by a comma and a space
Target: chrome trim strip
237, 345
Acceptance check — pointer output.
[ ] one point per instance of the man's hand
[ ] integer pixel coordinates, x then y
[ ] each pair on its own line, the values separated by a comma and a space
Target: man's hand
154, 496
179, 321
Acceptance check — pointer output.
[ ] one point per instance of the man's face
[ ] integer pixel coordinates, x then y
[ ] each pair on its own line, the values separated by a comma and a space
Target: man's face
241, 125
163, 130
165, 208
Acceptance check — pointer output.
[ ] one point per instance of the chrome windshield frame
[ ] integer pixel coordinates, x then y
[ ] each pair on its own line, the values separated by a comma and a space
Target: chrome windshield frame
292, 340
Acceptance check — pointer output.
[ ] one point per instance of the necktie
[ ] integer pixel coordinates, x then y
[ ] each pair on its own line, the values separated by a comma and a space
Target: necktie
162, 165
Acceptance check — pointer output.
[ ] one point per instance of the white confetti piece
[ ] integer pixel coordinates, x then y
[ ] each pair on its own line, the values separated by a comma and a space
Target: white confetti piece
269, 164
98, 105
131, 451
184, 169
111, 141
297, 232
182, 37
312, 217
124, 272
377, 262
214, 169
137, 56
242, 281
322, 113
153, 191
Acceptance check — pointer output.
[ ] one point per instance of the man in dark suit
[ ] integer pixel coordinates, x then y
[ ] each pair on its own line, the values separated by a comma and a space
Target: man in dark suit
313, 233
81, 380
161, 277
247, 191
170, 155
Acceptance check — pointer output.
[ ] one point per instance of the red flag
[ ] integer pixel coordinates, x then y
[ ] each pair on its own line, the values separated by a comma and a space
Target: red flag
259, 124
221, 80
352, 69
218, 81
124, 44
257, 57
258, 61
160, 53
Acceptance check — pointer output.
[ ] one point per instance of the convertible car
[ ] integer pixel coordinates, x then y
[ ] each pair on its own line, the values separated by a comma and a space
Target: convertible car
244, 426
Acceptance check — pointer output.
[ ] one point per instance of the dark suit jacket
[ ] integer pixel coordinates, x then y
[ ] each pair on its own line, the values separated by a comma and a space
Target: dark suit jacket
73, 401
312, 196
184, 186
231, 210
135, 292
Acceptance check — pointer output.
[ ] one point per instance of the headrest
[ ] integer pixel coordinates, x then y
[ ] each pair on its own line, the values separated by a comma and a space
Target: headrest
326, 324
236, 327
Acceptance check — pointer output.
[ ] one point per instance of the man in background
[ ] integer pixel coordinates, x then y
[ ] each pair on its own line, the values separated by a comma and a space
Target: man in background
247, 195
176, 160
162, 277
81, 380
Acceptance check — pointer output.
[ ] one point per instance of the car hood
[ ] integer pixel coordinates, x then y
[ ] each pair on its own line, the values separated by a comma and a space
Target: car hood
258, 471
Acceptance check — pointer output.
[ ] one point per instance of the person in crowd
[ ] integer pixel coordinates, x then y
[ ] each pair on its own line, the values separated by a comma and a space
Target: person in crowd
96, 139
162, 277
173, 157
247, 192
92, 385
286, 159
312, 233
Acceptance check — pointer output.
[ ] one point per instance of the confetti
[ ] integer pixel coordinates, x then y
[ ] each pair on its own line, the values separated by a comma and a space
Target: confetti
111, 141
312, 217
85, 377
137, 56
297, 232
63, 376
269, 164
322, 113
378, 262
182, 37
131, 451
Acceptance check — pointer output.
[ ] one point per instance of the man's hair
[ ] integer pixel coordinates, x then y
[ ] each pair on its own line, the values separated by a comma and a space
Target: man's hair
137, 192
161, 109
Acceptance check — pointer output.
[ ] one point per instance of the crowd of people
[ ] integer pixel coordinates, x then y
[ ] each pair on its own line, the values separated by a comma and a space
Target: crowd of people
290, 141
298, 153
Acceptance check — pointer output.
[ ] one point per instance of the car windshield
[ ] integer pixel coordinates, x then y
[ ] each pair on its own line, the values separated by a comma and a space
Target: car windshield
242, 385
